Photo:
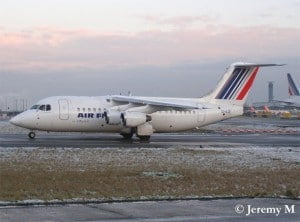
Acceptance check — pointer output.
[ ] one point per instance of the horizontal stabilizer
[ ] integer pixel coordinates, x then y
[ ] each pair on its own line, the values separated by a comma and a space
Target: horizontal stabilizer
239, 65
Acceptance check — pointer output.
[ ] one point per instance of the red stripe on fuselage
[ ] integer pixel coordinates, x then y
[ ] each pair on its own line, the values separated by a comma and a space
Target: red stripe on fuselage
247, 85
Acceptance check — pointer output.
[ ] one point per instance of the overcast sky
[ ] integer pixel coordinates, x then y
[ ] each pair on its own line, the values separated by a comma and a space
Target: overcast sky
150, 47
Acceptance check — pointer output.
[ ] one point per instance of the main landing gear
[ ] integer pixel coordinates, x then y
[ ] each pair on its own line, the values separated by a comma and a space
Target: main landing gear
144, 138
127, 136
31, 135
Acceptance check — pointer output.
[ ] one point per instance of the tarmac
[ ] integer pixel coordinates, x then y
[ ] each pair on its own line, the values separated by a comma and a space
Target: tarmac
227, 209
257, 209
157, 140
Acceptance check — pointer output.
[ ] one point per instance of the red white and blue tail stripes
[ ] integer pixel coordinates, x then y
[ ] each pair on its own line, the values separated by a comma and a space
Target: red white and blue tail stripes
293, 88
238, 84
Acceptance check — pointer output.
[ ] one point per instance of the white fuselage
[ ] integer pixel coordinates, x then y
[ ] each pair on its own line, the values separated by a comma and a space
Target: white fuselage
86, 114
143, 116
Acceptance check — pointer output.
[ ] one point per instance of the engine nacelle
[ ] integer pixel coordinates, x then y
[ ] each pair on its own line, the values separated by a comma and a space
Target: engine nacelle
112, 117
133, 119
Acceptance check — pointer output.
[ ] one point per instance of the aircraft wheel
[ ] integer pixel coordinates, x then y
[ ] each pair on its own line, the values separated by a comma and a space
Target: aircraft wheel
31, 135
127, 136
144, 138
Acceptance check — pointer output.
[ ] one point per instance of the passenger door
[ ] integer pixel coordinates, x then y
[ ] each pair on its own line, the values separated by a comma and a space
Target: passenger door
201, 115
63, 109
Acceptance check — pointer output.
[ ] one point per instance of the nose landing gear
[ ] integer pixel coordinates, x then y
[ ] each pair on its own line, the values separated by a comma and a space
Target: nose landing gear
31, 135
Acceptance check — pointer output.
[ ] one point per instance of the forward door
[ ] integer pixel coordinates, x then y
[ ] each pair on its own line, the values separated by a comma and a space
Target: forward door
63, 109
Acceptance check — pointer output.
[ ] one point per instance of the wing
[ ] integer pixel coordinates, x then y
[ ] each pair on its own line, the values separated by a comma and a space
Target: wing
161, 102
282, 101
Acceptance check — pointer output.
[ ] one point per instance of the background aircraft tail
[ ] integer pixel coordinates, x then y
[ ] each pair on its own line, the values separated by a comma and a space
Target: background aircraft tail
294, 89
266, 108
236, 83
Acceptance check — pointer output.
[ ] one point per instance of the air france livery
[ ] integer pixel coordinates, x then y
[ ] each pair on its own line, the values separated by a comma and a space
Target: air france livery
294, 94
294, 89
142, 116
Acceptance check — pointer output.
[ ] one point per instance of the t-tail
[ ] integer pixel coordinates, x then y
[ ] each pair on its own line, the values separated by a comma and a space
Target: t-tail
236, 83
294, 89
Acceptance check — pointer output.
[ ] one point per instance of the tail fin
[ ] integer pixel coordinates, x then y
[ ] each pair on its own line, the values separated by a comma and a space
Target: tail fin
266, 108
235, 84
294, 89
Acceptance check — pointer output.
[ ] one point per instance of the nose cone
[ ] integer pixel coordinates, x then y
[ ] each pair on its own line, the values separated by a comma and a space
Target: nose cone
26, 120
17, 120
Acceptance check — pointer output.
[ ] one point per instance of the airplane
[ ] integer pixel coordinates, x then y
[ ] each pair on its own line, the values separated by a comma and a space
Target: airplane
142, 116
262, 113
294, 89
266, 109
250, 111
294, 93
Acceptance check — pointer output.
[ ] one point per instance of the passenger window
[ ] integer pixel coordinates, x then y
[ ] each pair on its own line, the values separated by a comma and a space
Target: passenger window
78, 109
94, 109
34, 107
83, 109
42, 107
48, 107
89, 109
99, 109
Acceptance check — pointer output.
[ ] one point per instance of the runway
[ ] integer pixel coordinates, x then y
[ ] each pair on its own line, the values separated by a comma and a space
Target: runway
271, 132
157, 140
187, 210
253, 157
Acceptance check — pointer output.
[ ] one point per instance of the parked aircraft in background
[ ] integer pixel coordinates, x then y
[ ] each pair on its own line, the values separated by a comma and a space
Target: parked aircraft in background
266, 108
279, 113
294, 93
294, 89
143, 116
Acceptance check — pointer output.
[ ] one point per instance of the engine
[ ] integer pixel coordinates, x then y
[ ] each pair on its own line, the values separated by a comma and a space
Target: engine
133, 119
112, 117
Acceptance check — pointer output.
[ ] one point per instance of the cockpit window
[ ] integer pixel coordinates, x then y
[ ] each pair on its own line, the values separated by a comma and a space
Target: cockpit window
42, 107
34, 107
48, 107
